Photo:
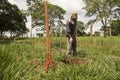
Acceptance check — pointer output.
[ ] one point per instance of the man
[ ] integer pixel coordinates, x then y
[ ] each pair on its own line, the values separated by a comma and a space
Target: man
71, 34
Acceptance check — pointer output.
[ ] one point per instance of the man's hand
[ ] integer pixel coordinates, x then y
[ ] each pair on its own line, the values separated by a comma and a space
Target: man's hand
69, 45
71, 39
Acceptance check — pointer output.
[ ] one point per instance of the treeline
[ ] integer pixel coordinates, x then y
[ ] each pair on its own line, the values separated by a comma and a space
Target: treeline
107, 12
12, 19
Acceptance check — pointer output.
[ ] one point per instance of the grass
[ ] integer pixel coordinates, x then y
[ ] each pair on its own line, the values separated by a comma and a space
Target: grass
25, 60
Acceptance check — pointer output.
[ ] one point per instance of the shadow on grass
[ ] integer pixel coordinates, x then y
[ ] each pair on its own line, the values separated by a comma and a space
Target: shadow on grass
24, 43
58, 45
5, 42
82, 54
55, 44
71, 60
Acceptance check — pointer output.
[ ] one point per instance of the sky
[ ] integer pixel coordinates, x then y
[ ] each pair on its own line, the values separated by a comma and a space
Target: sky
68, 5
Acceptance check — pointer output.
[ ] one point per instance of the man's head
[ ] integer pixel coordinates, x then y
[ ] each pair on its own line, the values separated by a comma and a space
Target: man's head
74, 16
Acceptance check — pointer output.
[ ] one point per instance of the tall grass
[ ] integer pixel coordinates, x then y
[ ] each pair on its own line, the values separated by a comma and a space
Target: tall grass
25, 60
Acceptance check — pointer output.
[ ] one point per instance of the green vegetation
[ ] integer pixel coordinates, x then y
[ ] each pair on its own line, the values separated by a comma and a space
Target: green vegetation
36, 8
12, 19
115, 25
24, 59
99, 59
104, 10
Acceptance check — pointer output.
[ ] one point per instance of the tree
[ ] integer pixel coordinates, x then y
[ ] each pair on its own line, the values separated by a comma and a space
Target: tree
104, 10
56, 14
97, 33
117, 9
11, 18
115, 26
80, 28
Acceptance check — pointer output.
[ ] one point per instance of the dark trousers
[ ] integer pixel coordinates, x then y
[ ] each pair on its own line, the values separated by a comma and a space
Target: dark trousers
73, 45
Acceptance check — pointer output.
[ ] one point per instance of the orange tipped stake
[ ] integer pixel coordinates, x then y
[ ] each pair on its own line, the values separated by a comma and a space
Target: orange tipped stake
48, 52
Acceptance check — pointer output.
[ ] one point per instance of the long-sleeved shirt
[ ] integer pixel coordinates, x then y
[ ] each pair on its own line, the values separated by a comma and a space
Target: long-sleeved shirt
71, 28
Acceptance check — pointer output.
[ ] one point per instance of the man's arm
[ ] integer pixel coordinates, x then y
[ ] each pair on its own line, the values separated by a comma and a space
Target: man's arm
68, 31
69, 35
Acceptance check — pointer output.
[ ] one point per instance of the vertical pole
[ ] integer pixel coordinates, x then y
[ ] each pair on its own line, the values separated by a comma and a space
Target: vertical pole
110, 33
48, 55
31, 20
91, 32
31, 30
60, 37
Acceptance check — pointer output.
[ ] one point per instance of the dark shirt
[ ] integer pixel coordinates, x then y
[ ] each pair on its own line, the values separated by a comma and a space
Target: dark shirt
70, 28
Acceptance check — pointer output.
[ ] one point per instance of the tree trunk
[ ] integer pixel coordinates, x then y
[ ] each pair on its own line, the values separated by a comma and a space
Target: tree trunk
1, 33
31, 32
104, 31
11, 34
110, 32
22, 35
91, 32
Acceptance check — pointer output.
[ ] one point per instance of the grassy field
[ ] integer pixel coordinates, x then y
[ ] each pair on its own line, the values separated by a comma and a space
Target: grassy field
98, 59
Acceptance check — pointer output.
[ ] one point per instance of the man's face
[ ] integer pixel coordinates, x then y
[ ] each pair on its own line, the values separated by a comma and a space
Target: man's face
74, 17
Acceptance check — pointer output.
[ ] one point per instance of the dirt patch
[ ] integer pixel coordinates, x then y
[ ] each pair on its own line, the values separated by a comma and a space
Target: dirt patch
73, 61
41, 65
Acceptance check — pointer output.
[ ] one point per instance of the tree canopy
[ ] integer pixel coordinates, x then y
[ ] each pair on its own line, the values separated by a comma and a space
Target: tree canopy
36, 10
104, 10
11, 18
80, 28
115, 26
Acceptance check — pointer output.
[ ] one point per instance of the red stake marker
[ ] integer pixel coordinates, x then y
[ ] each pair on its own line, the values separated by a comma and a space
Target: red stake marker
48, 52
